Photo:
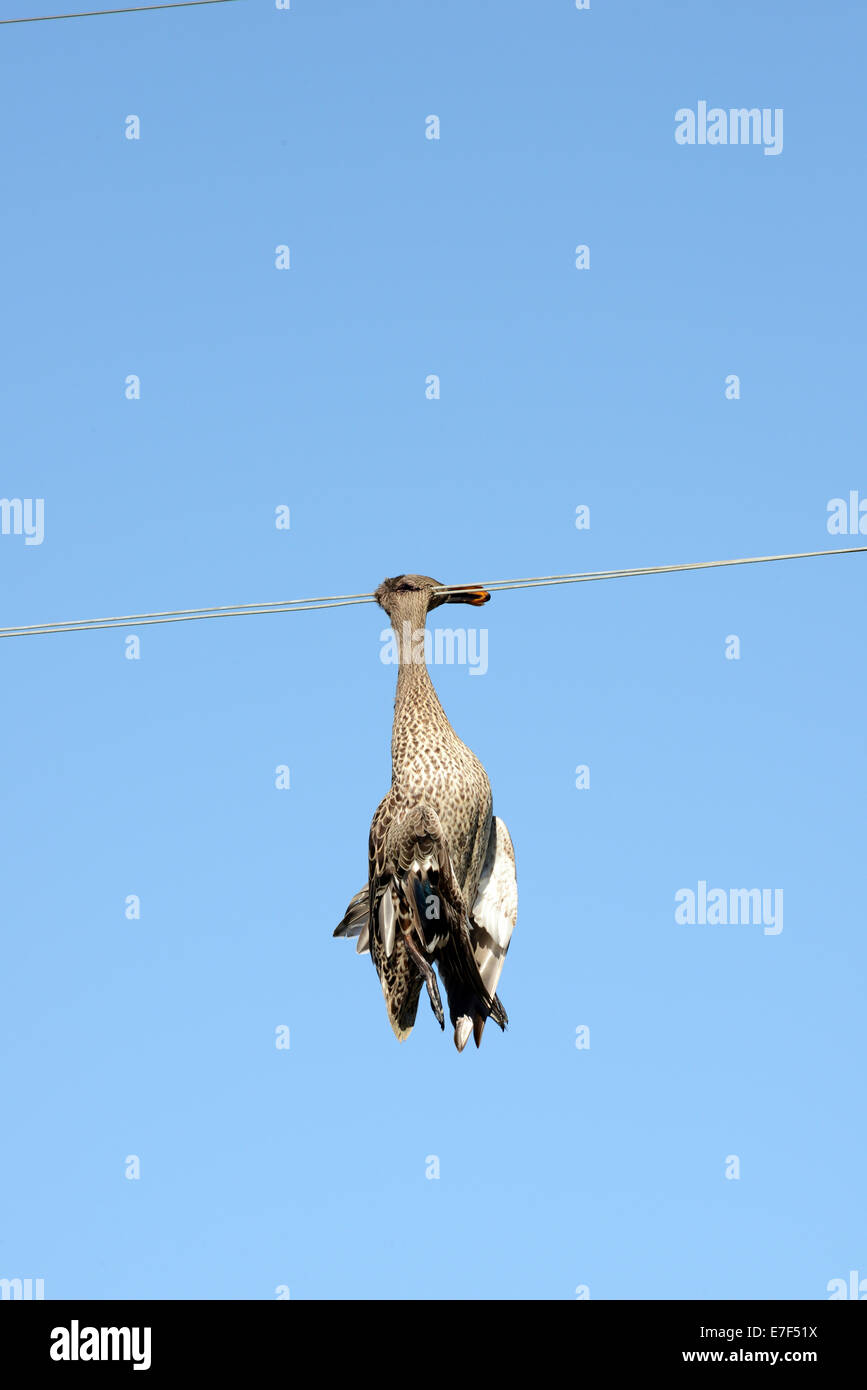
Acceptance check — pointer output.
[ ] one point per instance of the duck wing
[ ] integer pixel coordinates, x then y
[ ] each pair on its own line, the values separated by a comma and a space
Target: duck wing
495, 911
417, 901
355, 919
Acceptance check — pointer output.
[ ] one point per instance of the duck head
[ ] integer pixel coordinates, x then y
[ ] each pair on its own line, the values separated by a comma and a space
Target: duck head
410, 591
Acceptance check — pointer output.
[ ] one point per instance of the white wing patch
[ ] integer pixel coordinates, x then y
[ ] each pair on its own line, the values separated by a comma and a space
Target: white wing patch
495, 910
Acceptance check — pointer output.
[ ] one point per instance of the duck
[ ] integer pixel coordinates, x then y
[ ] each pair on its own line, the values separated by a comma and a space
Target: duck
441, 900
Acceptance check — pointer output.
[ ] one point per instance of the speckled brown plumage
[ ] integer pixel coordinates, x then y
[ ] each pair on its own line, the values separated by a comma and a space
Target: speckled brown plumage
428, 843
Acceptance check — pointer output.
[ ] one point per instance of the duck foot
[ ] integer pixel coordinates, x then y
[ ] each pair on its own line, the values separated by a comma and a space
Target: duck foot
430, 980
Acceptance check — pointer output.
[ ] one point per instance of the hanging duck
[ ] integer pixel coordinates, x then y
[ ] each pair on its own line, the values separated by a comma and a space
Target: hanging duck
441, 888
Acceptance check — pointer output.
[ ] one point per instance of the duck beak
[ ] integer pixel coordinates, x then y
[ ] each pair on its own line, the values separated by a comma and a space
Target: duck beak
468, 593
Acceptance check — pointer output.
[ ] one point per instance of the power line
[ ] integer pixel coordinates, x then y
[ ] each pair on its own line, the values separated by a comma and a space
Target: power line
497, 584
187, 615
304, 605
128, 9
180, 614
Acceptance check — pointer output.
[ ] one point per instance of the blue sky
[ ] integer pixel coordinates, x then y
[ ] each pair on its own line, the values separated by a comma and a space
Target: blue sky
305, 1167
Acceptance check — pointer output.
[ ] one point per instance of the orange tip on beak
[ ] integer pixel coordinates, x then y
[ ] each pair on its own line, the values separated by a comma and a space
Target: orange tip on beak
468, 593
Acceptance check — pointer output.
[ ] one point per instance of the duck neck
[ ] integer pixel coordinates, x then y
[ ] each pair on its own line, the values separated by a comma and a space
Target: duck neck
414, 685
